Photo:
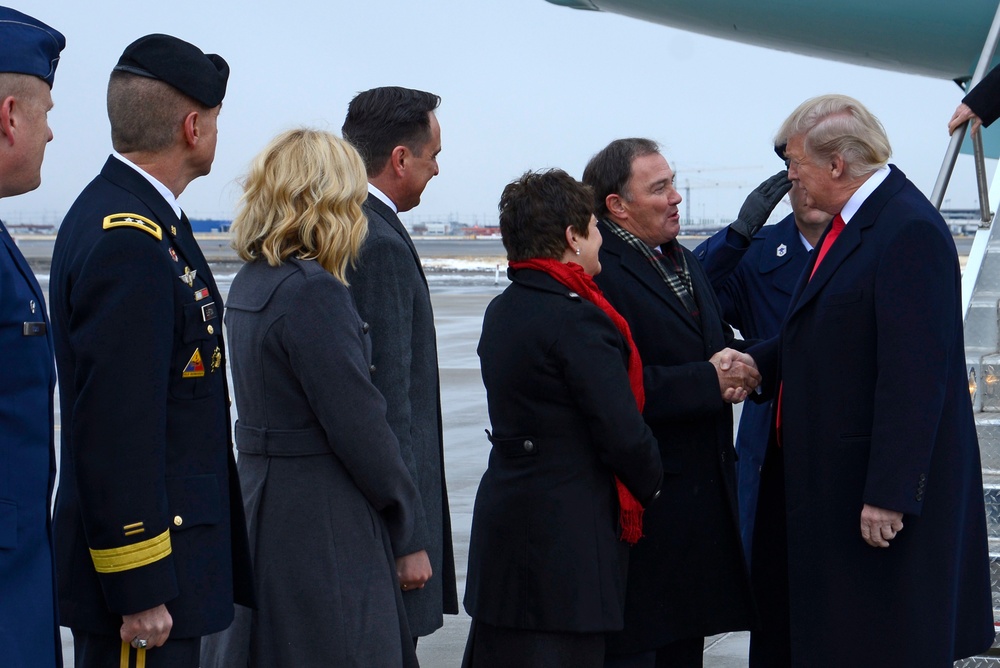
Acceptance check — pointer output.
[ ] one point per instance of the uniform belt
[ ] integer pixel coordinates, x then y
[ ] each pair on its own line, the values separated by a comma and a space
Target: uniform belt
281, 442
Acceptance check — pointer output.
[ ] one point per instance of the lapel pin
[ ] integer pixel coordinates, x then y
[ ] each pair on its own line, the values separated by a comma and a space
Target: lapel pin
782, 249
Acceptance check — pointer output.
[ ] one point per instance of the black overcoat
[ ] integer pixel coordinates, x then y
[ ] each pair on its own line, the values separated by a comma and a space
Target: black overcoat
391, 293
875, 409
545, 553
687, 578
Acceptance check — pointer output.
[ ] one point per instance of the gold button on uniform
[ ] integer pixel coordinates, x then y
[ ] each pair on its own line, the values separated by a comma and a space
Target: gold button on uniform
211, 330
178, 520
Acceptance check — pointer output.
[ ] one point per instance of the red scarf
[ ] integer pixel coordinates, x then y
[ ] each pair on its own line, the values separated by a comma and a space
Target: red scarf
576, 279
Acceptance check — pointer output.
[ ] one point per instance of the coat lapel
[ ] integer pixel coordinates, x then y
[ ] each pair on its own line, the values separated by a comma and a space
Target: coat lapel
382, 210
635, 264
847, 243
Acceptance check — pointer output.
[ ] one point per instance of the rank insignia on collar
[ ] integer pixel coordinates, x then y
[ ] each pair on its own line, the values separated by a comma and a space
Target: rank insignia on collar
782, 249
200, 294
188, 276
173, 253
195, 368
216, 359
173, 231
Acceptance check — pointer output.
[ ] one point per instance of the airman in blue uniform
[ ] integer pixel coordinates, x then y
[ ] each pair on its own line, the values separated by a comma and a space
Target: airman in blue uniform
753, 272
29, 628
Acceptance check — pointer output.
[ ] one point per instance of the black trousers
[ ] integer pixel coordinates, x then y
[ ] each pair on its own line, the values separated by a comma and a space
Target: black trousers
92, 650
496, 647
686, 653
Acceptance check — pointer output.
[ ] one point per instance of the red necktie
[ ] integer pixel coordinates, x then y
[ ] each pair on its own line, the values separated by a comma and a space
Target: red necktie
831, 236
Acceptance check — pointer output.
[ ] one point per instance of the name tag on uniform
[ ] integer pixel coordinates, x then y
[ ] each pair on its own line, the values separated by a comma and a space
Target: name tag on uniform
33, 329
208, 311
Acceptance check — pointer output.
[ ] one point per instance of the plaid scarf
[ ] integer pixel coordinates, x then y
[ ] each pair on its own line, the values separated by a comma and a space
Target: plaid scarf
677, 276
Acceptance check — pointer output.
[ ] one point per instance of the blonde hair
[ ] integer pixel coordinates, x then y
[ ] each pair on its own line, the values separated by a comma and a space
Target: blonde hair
303, 197
839, 125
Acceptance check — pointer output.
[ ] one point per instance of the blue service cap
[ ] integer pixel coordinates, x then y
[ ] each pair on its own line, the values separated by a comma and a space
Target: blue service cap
29, 46
178, 63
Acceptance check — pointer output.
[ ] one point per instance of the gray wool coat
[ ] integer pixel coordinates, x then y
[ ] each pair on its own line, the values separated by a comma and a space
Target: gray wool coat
327, 496
391, 294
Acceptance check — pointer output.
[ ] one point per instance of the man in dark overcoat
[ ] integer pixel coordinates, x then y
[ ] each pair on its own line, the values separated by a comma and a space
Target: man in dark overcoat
687, 577
151, 541
870, 547
981, 105
753, 272
398, 136
29, 628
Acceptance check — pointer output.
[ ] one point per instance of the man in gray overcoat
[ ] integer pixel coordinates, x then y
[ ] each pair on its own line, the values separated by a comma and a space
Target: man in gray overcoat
399, 138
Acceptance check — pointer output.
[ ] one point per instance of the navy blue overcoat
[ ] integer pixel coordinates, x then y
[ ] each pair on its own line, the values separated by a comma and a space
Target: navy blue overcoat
875, 410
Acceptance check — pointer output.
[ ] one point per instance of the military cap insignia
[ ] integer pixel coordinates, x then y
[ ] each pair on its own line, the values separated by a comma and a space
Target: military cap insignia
133, 220
195, 367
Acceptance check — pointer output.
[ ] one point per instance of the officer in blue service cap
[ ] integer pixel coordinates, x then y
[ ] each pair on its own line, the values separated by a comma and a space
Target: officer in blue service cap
29, 629
151, 544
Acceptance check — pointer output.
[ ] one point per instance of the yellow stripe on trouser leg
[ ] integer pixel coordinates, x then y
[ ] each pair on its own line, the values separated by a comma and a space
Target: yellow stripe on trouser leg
140, 658
125, 651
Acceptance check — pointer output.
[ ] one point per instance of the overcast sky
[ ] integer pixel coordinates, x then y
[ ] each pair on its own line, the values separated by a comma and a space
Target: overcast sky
525, 85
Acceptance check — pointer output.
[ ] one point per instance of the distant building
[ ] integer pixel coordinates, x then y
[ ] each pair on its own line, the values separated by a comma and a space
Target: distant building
200, 225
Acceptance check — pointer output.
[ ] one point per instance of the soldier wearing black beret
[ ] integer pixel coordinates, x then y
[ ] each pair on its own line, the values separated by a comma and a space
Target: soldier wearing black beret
29, 628
151, 542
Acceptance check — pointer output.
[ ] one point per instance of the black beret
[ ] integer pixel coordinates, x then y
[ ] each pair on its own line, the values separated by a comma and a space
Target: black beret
29, 46
178, 63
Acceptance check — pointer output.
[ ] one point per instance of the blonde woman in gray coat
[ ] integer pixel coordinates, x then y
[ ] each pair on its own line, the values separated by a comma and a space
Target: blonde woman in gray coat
326, 493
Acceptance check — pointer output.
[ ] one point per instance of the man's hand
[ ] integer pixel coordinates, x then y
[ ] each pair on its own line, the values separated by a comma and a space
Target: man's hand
737, 373
413, 570
151, 625
759, 204
879, 526
961, 115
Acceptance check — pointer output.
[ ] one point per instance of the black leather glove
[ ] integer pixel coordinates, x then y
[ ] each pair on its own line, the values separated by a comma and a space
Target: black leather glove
759, 204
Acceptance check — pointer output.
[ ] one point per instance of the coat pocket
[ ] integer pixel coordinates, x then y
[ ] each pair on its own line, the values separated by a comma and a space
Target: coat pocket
194, 501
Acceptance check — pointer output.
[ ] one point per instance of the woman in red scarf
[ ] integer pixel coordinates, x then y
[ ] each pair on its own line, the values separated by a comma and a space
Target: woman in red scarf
572, 462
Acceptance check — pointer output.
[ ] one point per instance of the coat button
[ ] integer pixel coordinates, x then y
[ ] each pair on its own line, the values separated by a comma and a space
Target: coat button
365, 327
371, 369
922, 477
211, 330
529, 446
920, 496
178, 520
